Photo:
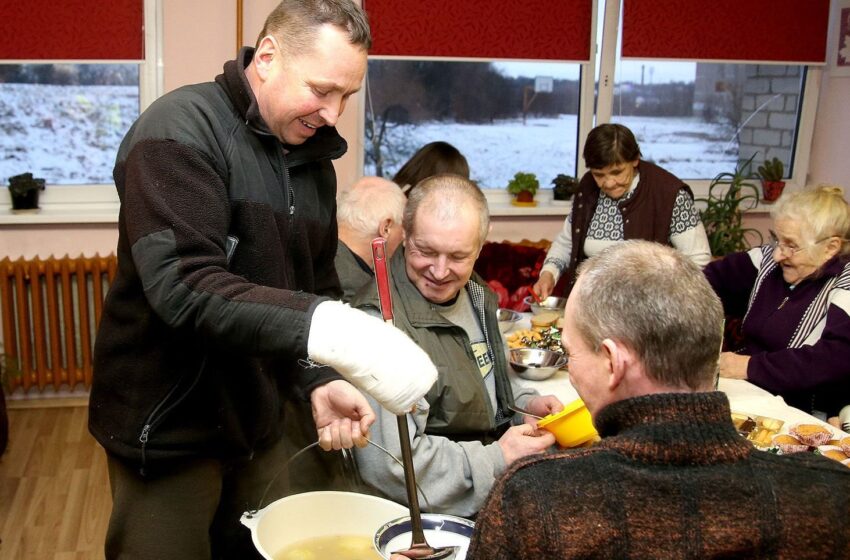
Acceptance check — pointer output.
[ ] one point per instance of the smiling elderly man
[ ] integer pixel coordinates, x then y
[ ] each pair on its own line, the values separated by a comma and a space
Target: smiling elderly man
671, 477
462, 436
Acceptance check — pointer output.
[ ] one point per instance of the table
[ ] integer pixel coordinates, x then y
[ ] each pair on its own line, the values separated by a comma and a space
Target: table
744, 397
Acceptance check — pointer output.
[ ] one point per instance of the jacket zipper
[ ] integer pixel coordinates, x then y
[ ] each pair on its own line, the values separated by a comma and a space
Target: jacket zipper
290, 192
155, 418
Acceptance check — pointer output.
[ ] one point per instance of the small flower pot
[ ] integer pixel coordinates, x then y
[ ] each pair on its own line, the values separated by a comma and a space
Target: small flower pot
25, 201
772, 190
524, 198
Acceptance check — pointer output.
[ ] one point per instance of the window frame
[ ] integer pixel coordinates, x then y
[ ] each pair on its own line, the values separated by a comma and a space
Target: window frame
806, 118
603, 100
97, 203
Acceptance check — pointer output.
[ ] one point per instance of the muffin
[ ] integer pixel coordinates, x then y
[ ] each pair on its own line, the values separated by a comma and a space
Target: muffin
811, 434
789, 444
844, 444
832, 452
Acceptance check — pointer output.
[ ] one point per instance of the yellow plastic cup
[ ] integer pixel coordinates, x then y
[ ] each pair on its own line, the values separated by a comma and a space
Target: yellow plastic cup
572, 426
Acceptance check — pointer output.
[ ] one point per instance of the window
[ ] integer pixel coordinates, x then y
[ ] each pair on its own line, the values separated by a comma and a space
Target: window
699, 119
694, 117
504, 117
63, 120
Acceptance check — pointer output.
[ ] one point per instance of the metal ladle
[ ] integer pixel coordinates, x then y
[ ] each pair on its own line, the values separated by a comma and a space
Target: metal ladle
419, 547
521, 410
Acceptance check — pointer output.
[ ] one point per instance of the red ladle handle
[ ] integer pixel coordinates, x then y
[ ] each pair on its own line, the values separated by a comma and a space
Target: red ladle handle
382, 277
382, 280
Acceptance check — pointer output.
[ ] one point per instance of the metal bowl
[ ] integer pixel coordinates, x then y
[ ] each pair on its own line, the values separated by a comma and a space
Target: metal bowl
508, 318
551, 303
440, 530
536, 364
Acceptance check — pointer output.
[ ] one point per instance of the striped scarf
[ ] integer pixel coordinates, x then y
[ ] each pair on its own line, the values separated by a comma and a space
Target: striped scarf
816, 312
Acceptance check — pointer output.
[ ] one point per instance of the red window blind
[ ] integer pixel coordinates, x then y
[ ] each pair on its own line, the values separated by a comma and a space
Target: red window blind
528, 29
72, 30
791, 31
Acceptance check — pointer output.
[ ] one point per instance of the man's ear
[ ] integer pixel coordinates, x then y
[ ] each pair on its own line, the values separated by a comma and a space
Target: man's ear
264, 55
384, 228
615, 354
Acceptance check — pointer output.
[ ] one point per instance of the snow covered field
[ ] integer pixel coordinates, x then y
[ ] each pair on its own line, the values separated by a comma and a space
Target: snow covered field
64, 134
70, 134
687, 147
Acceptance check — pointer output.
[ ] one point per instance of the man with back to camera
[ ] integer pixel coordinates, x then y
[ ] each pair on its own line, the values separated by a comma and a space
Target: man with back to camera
462, 436
220, 308
671, 477
371, 208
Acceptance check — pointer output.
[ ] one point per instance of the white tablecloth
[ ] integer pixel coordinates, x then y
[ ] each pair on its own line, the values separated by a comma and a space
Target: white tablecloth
744, 397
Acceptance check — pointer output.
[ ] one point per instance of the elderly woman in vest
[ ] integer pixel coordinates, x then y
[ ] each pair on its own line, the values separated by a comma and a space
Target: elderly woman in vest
794, 295
622, 197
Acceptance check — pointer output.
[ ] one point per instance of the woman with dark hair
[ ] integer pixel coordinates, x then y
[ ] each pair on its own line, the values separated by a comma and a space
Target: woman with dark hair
622, 197
431, 159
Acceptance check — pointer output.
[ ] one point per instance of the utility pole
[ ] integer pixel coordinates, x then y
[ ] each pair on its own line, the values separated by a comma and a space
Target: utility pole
526, 101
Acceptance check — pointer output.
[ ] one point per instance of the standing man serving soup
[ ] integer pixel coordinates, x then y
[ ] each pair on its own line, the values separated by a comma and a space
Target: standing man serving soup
622, 197
221, 305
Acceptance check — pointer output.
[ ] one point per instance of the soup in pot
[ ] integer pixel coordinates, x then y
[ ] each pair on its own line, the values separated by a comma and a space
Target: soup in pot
347, 547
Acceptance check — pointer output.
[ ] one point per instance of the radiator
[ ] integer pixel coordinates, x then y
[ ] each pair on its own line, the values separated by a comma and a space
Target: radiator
50, 311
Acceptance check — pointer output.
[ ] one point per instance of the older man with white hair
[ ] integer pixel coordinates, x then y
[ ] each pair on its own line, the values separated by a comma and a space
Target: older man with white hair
371, 208
464, 433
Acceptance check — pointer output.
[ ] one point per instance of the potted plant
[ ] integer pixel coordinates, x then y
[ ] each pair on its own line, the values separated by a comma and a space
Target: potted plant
729, 194
524, 186
563, 189
771, 172
24, 190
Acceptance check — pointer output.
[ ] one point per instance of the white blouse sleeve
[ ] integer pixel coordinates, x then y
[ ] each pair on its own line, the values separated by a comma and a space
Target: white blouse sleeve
558, 256
687, 234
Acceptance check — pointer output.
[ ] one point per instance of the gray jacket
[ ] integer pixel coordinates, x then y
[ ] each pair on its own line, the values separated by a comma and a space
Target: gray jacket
453, 435
352, 276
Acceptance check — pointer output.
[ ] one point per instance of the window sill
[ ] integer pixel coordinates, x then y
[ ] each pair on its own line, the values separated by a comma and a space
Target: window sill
84, 204
100, 213
499, 203
107, 212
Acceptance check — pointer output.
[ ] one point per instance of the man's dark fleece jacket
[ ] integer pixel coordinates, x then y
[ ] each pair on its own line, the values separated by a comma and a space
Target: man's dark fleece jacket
225, 235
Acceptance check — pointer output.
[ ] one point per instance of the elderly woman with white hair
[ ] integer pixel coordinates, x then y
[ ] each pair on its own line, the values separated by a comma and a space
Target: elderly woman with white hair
794, 295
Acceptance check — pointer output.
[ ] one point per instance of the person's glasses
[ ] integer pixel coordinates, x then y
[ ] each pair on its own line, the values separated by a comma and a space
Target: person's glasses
789, 249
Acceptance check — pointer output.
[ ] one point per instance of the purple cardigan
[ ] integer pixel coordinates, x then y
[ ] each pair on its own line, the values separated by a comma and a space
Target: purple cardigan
799, 338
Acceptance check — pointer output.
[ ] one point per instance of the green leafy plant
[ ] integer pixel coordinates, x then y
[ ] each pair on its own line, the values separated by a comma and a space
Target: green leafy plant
771, 170
729, 194
524, 186
565, 186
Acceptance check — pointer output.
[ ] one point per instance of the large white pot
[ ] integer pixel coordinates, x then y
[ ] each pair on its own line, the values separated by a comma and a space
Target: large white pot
318, 514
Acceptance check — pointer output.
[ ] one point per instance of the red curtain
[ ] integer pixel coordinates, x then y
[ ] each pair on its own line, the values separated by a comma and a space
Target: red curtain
793, 31
528, 29
72, 30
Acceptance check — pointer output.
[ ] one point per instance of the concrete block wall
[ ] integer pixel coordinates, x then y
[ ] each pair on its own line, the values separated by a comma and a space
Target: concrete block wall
769, 102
